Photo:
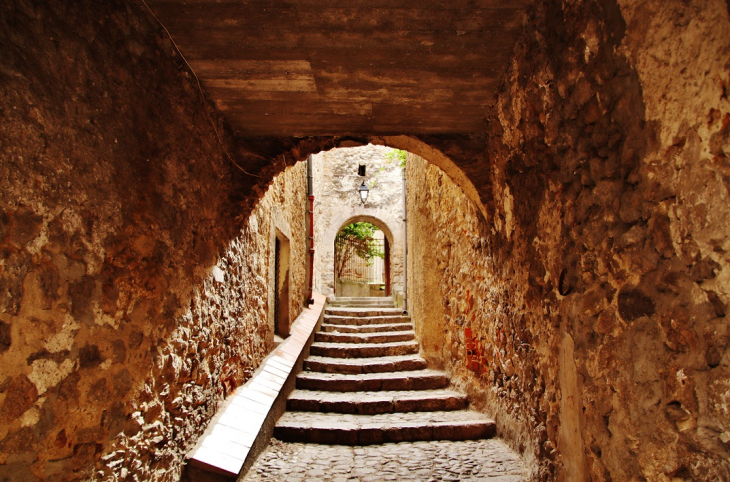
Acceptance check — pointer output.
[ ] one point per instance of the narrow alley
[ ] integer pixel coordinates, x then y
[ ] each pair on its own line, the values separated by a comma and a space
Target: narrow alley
366, 378
191, 190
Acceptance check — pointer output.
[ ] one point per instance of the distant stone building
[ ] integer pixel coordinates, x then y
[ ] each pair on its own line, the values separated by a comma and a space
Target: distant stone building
337, 204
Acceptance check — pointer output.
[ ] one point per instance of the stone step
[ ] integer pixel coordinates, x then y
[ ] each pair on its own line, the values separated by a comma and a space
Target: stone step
370, 320
353, 350
356, 298
326, 327
370, 382
363, 303
384, 337
364, 365
348, 299
349, 429
370, 403
363, 311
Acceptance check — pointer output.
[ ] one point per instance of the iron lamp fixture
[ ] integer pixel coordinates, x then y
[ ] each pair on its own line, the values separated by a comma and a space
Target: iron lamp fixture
363, 191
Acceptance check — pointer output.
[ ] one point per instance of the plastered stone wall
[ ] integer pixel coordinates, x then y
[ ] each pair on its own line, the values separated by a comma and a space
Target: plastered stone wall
337, 203
133, 282
587, 310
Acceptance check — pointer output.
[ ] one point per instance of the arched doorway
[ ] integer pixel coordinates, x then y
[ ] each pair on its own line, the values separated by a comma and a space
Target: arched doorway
282, 319
362, 261
375, 274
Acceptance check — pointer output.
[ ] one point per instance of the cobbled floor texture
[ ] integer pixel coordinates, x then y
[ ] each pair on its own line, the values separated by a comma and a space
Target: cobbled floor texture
486, 460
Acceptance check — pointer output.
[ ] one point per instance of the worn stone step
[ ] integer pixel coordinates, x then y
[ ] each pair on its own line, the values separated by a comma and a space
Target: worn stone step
340, 299
352, 350
372, 306
370, 382
326, 327
370, 403
336, 311
370, 320
382, 337
364, 365
378, 302
350, 429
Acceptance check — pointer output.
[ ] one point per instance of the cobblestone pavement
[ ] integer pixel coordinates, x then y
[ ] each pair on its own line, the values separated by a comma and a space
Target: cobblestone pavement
485, 460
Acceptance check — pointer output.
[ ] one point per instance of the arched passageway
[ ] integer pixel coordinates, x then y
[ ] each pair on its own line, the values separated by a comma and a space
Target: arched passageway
589, 308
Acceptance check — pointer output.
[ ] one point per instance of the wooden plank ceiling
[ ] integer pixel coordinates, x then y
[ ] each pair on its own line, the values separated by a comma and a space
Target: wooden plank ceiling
347, 67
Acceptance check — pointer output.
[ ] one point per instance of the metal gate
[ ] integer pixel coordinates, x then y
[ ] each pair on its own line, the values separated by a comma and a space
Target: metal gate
353, 262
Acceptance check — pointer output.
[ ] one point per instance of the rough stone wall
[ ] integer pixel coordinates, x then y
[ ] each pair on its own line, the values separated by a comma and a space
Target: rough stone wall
284, 209
133, 295
337, 203
592, 316
217, 342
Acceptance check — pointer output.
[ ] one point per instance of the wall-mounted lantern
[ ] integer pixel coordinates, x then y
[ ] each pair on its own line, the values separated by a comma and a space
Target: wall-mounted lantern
363, 191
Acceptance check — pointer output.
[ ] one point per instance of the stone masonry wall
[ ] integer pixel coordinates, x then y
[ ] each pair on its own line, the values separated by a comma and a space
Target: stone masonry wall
217, 342
133, 290
588, 311
337, 203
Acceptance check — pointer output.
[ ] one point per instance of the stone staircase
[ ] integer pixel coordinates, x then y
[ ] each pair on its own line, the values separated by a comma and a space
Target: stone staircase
364, 383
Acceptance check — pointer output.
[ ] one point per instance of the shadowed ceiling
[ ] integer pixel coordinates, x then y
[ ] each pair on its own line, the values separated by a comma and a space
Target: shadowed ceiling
347, 67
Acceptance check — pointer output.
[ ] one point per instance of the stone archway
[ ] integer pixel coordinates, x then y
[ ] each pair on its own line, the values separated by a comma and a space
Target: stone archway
462, 158
387, 223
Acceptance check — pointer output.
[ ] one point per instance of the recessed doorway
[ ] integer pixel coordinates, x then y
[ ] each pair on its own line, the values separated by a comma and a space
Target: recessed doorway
282, 322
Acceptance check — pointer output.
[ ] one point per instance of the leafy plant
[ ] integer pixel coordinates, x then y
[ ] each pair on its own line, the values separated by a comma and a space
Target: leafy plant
356, 239
397, 155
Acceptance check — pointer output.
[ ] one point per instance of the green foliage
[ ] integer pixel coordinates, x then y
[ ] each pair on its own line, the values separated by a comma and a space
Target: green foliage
397, 155
356, 239
362, 230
